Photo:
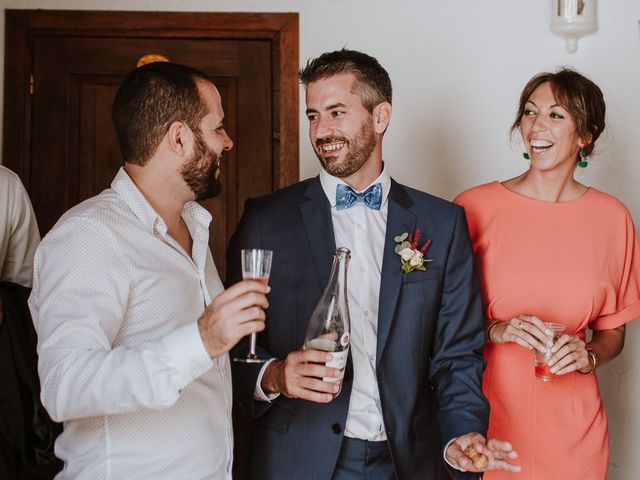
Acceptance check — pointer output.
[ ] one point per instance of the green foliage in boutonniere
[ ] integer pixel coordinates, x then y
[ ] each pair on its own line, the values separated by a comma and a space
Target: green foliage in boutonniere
411, 257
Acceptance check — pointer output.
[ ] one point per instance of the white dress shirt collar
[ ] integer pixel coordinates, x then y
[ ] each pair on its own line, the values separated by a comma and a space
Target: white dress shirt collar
193, 214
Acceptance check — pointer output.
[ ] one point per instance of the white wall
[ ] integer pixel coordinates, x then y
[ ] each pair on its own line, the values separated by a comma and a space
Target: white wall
458, 68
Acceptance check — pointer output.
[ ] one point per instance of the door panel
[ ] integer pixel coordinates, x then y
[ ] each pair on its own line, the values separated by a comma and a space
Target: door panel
96, 139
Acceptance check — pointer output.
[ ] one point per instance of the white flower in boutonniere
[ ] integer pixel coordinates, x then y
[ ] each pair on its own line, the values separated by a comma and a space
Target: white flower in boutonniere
411, 257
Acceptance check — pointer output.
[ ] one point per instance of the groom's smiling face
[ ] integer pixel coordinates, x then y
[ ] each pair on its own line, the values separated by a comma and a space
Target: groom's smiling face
341, 129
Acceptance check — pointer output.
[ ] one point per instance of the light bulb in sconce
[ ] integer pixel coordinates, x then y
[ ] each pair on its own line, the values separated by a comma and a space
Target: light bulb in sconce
572, 19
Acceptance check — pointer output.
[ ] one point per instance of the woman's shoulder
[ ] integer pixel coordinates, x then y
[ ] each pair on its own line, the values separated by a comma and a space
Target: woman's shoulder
481, 193
605, 203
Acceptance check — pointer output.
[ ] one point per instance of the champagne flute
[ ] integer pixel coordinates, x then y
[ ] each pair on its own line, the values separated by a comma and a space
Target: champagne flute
256, 265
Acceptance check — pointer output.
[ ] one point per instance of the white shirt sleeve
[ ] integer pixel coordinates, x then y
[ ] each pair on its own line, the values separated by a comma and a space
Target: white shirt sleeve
259, 394
80, 297
19, 229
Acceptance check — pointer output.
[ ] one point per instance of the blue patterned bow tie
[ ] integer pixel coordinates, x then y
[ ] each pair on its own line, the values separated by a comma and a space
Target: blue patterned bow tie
346, 197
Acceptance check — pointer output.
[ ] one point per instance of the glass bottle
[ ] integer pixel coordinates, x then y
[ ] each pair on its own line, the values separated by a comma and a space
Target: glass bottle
329, 326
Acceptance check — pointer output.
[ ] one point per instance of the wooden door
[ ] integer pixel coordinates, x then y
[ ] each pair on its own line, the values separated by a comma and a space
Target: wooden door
62, 72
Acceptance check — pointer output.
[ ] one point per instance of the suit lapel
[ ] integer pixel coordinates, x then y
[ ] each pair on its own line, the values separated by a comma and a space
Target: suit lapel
399, 220
316, 218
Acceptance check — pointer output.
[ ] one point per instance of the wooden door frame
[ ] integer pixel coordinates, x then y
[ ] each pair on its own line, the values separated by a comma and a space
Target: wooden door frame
279, 28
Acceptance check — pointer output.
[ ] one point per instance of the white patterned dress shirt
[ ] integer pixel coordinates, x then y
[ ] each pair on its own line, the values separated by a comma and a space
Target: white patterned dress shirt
115, 303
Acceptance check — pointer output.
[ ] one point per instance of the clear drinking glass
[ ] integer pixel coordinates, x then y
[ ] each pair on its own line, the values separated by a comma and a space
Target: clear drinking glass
542, 368
256, 265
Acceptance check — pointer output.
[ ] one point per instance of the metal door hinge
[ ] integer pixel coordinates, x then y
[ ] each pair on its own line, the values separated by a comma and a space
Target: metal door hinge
31, 84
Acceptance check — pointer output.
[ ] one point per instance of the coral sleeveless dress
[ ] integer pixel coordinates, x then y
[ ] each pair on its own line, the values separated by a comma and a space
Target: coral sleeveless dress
576, 263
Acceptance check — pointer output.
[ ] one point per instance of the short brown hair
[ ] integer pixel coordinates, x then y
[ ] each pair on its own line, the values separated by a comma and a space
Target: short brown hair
149, 100
372, 84
578, 95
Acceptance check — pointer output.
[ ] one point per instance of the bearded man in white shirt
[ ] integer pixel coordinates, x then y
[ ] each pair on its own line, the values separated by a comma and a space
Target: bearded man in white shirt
412, 391
133, 323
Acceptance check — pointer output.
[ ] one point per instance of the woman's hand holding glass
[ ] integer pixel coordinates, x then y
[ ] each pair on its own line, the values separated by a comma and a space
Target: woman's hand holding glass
569, 352
528, 331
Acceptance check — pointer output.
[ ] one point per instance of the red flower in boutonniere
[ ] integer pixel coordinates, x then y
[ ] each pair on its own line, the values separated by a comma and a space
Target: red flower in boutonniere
412, 257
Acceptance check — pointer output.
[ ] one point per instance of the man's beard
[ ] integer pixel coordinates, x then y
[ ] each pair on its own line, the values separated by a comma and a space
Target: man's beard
200, 171
359, 149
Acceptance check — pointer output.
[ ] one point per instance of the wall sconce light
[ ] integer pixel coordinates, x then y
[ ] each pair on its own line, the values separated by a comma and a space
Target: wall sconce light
572, 19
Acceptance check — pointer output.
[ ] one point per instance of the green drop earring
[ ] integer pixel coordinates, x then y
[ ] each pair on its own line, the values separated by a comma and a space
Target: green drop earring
526, 156
582, 163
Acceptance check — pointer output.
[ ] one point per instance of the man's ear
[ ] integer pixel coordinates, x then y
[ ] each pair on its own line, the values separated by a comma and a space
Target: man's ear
381, 117
180, 138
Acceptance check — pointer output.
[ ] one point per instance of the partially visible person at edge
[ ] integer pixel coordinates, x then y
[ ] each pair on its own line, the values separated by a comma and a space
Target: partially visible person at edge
19, 234
132, 320
412, 389
550, 249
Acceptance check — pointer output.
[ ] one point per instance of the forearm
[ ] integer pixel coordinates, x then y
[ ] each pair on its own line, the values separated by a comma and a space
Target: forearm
273, 378
87, 382
491, 326
607, 344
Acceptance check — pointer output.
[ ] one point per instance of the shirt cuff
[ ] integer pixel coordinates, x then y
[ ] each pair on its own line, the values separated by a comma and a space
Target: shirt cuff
617, 319
187, 353
259, 394
444, 455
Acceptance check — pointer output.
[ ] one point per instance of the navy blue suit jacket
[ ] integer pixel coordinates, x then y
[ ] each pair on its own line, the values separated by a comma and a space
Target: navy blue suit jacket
430, 335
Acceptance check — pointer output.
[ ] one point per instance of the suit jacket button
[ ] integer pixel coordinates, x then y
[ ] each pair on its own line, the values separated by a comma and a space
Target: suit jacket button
336, 427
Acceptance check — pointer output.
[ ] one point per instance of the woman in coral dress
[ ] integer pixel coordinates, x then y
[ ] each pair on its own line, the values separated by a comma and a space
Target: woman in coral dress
550, 249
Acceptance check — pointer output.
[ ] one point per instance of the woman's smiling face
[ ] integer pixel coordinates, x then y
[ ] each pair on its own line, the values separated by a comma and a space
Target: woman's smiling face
548, 131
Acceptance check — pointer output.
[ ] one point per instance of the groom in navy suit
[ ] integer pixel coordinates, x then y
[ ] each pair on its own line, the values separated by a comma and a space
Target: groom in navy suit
411, 399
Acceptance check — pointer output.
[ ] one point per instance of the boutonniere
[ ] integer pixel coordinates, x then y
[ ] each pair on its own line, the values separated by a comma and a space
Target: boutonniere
411, 256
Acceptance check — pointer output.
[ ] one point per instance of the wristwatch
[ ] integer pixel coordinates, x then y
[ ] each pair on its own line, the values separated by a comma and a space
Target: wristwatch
593, 360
